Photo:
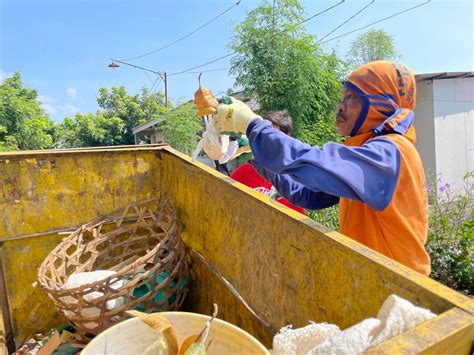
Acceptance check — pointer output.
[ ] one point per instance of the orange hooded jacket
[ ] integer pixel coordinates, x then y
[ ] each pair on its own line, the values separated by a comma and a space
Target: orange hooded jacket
376, 175
400, 230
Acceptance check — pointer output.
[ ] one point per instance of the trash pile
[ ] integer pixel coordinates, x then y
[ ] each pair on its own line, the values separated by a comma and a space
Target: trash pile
63, 340
396, 316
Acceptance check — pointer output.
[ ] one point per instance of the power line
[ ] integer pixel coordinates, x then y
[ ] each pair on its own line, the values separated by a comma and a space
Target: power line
346, 21
202, 65
189, 34
158, 87
154, 84
228, 55
319, 13
148, 76
203, 71
373, 23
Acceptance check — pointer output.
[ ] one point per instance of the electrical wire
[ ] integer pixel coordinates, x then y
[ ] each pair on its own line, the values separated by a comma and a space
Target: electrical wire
331, 39
187, 35
204, 71
373, 23
148, 76
346, 21
228, 55
320, 13
202, 65
158, 87
154, 84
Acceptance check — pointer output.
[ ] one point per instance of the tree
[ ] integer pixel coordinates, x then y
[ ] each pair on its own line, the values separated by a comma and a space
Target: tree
90, 130
131, 110
180, 127
282, 65
23, 123
113, 124
372, 45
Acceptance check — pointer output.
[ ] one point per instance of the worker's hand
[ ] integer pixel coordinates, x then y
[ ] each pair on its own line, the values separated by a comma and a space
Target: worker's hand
234, 117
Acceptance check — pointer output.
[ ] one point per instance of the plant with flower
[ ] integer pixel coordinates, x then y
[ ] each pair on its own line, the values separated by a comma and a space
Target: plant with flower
451, 233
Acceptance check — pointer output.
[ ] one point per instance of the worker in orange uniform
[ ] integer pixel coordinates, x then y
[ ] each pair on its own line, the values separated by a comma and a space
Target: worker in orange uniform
246, 173
376, 175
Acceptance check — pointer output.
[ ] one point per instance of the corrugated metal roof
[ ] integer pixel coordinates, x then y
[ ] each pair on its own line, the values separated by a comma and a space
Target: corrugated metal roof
145, 125
444, 75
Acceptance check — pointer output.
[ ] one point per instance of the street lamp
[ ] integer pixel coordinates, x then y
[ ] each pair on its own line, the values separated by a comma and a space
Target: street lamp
163, 76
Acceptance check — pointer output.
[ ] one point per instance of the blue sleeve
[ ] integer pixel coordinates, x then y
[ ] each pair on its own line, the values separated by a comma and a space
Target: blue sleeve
367, 174
295, 192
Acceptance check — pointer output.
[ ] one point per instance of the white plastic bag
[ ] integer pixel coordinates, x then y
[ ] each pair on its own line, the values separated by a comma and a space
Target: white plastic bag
290, 341
396, 316
82, 278
214, 144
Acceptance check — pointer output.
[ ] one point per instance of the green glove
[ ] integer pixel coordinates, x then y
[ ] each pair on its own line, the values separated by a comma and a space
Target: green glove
234, 117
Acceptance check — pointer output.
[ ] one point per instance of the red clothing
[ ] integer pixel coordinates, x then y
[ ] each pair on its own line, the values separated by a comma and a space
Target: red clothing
247, 175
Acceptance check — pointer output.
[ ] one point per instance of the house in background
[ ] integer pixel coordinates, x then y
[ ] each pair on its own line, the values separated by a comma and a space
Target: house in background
444, 122
148, 132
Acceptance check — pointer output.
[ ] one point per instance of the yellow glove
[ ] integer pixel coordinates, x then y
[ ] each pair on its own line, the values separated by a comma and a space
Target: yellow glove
235, 117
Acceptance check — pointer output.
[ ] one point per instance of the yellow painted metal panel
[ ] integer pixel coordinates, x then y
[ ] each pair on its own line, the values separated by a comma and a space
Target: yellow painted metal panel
31, 311
49, 191
207, 287
53, 191
286, 268
450, 333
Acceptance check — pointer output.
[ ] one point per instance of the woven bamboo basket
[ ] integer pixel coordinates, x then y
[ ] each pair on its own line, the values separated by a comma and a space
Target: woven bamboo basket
141, 244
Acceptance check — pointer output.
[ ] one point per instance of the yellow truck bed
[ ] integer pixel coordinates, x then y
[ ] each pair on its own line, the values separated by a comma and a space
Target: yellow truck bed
266, 266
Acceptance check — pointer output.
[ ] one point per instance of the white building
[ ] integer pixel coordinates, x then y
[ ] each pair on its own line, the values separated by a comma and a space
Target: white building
444, 124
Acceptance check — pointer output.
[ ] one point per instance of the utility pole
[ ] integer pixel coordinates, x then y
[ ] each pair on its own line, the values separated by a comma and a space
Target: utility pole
166, 88
162, 75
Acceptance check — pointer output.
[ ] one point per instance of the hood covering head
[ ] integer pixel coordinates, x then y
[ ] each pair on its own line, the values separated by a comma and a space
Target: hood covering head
388, 93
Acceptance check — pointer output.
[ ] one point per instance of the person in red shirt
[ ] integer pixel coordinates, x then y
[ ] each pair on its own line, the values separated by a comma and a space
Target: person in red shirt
246, 173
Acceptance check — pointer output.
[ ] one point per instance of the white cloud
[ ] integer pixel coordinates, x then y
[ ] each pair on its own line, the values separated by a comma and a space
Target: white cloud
4, 75
70, 108
47, 104
51, 107
72, 93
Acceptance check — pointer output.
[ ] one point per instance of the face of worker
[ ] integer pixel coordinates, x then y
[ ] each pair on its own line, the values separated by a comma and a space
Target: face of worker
347, 112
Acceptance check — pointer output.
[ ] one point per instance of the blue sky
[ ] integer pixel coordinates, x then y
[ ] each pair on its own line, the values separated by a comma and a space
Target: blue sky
62, 48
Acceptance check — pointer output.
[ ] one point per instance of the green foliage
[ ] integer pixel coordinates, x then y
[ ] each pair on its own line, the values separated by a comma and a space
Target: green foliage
180, 128
91, 130
114, 123
132, 110
370, 46
451, 234
23, 123
328, 217
282, 65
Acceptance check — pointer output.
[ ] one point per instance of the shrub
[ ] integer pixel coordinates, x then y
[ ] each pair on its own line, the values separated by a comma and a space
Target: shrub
451, 234
328, 217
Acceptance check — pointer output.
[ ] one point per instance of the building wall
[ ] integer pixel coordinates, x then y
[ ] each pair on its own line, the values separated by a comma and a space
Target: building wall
454, 128
424, 125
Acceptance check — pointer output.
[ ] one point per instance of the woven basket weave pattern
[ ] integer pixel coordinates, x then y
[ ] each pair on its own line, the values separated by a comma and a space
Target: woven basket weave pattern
146, 232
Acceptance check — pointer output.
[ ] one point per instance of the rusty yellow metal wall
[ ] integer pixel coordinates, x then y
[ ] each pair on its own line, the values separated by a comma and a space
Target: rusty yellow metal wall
207, 287
286, 268
46, 192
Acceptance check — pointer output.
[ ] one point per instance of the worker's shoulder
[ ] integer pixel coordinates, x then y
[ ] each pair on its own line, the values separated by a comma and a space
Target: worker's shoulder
394, 138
